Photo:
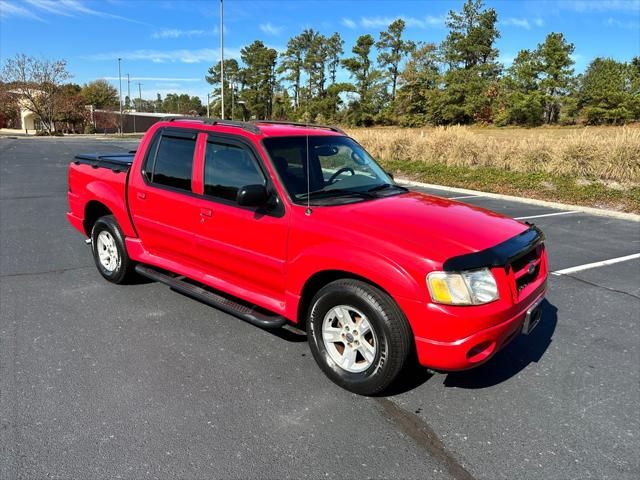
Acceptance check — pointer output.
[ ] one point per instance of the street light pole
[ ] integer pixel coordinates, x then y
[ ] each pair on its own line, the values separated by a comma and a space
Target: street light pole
120, 92
222, 58
208, 101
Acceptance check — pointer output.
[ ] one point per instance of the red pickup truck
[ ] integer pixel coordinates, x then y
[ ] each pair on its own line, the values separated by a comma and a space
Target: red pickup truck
281, 223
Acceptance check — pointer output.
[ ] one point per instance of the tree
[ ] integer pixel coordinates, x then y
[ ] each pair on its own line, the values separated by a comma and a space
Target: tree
232, 76
523, 98
101, 94
335, 49
260, 80
70, 109
472, 62
292, 64
556, 73
36, 81
9, 108
182, 104
417, 84
392, 50
606, 93
367, 79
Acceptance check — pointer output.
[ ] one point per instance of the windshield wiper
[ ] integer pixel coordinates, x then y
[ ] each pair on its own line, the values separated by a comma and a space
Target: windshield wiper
334, 192
384, 186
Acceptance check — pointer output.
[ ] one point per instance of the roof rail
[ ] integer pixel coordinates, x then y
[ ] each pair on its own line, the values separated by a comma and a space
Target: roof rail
249, 127
300, 124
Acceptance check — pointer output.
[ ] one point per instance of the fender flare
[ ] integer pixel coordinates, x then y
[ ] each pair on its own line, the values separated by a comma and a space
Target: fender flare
114, 200
380, 270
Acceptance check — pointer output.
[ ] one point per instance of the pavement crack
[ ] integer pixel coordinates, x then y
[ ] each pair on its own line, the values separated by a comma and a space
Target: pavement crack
615, 290
46, 272
28, 197
424, 436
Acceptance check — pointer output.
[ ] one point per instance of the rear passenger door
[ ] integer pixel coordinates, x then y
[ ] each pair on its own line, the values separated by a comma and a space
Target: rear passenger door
244, 247
162, 204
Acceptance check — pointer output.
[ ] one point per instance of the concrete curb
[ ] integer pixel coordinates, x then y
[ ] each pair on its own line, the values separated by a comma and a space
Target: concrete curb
531, 201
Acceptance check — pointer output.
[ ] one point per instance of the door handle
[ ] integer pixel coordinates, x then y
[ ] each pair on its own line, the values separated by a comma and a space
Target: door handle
141, 195
206, 212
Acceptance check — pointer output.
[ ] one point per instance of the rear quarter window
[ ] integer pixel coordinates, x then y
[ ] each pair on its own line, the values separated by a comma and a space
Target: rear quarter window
173, 161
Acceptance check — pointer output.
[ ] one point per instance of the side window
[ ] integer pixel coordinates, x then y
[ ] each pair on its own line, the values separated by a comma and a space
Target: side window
174, 161
227, 168
147, 168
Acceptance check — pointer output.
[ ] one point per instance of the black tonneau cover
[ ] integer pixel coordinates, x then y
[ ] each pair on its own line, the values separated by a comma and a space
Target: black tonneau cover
118, 162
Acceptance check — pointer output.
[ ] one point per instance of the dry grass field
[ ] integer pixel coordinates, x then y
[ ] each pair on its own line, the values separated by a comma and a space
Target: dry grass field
598, 166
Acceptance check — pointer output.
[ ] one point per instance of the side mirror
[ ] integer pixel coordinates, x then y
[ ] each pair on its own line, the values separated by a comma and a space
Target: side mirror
252, 196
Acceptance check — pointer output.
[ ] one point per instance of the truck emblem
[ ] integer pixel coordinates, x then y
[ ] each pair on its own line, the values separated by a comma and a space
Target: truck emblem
531, 268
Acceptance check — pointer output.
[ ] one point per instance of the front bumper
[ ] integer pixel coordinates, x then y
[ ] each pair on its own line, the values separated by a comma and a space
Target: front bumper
475, 349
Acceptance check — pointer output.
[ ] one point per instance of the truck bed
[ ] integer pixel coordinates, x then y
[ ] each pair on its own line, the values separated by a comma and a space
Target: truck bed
103, 176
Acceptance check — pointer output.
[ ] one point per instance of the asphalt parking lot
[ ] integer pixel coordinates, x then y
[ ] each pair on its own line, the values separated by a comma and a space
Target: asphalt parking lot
106, 381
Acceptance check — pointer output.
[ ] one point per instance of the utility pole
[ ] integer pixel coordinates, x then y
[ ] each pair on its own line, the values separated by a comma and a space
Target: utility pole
140, 94
120, 92
208, 101
222, 59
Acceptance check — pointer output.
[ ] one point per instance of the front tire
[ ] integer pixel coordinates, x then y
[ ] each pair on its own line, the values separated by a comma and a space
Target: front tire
109, 251
358, 336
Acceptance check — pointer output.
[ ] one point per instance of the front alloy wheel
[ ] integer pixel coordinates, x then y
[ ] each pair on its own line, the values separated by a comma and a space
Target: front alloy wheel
349, 338
358, 335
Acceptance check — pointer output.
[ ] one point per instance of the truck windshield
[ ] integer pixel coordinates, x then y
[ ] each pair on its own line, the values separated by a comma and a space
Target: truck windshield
338, 168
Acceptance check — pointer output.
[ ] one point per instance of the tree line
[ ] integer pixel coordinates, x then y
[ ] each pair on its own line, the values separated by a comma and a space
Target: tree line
393, 80
40, 87
388, 80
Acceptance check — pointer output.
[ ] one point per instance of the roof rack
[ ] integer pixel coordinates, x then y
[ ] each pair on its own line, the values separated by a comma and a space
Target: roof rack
249, 127
301, 124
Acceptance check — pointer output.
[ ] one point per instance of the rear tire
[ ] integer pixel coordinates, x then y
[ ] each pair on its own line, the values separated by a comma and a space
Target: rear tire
358, 336
109, 251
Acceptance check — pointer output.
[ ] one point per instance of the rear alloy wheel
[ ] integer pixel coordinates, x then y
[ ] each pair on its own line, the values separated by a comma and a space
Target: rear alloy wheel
109, 251
358, 335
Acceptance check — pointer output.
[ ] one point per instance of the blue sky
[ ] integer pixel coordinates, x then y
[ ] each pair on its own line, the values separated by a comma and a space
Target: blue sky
168, 45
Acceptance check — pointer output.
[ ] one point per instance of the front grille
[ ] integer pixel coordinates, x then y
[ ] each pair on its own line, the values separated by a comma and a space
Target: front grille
526, 268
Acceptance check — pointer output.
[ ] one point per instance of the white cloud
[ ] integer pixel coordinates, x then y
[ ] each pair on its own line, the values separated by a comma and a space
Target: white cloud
538, 22
72, 8
421, 22
347, 22
270, 29
602, 5
516, 22
162, 56
628, 25
177, 33
11, 10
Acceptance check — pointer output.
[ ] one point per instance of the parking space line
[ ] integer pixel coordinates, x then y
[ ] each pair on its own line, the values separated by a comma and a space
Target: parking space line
546, 215
587, 266
465, 196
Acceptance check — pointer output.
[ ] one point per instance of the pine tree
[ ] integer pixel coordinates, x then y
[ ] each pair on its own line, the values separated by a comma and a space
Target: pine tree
392, 50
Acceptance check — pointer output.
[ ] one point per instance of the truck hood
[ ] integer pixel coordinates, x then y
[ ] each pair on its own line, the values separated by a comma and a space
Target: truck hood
432, 227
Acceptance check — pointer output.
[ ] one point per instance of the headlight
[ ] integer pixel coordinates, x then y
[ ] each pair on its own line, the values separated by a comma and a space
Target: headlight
465, 288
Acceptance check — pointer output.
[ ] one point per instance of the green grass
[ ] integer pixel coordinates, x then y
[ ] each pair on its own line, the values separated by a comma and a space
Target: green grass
543, 186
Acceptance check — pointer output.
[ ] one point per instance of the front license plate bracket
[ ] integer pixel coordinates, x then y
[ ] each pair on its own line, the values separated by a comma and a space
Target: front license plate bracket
532, 317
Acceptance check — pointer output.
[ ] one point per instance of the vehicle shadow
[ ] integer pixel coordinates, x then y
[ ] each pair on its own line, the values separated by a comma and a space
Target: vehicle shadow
515, 357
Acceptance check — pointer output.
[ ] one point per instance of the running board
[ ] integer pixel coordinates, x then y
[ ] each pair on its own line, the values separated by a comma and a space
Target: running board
247, 313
